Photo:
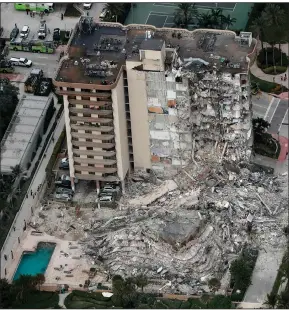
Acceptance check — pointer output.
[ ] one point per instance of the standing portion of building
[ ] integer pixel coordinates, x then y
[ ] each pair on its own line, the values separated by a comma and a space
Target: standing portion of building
138, 97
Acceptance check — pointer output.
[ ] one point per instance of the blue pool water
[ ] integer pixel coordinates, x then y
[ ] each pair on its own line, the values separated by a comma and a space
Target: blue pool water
36, 262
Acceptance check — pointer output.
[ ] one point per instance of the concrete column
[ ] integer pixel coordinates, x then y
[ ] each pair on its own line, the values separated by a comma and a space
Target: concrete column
97, 183
123, 186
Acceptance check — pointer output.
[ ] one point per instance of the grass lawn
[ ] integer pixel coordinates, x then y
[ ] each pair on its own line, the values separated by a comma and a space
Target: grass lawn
267, 87
71, 11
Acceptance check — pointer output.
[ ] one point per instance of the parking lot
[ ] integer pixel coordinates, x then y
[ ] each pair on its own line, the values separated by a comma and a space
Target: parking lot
10, 16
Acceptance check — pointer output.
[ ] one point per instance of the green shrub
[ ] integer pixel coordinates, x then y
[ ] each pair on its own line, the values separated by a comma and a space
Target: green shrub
185, 305
172, 303
265, 86
37, 300
241, 271
220, 302
277, 69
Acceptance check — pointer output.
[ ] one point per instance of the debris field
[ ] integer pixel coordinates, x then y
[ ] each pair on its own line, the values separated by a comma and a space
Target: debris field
181, 232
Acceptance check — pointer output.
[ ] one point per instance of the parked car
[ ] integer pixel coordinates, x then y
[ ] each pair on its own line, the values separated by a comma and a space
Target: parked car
110, 189
62, 190
64, 164
14, 33
65, 197
63, 181
21, 62
87, 6
56, 34
24, 32
42, 32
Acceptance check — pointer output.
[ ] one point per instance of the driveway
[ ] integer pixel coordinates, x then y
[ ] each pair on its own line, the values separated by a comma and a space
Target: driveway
264, 275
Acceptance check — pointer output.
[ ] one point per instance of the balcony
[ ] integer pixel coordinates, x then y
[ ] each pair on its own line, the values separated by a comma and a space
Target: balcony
107, 162
93, 144
92, 128
92, 136
90, 103
82, 94
91, 119
96, 177
91, 111
94, 153
95, 169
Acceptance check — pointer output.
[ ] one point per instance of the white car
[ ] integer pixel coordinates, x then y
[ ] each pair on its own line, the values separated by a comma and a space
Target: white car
22, 62
87, 6
24, 32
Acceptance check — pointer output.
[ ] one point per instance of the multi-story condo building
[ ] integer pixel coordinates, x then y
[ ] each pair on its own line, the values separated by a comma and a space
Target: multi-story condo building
137, 97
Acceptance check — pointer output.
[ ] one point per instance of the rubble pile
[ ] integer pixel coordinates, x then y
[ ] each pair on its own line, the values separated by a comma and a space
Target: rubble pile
185, 236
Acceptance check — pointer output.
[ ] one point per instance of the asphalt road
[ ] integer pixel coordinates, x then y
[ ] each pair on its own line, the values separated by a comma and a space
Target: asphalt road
273, 110
47, 62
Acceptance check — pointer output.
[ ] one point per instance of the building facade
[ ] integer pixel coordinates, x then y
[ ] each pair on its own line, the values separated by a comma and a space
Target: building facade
138, 97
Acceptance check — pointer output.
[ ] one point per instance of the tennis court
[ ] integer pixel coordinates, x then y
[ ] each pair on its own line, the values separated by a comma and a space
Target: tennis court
160, 20
229, 6
161, 14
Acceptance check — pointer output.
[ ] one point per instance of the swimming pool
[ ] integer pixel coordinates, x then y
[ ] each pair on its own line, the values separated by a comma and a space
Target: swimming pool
36, 262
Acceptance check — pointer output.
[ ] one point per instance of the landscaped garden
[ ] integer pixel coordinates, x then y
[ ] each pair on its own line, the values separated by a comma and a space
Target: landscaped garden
272, 61
264, 143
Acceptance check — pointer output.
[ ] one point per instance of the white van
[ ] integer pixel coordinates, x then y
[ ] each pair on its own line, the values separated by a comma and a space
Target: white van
21, 62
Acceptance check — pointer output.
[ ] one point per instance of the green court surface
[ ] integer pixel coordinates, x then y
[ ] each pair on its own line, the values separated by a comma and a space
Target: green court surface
161, 14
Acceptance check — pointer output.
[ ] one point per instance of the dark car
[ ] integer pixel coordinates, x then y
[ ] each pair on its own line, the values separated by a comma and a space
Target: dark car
56, 34
14, 33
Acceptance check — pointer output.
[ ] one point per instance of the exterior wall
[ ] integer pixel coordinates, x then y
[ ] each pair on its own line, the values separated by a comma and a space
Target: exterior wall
68, 135
153, 60
139, 116
120, 130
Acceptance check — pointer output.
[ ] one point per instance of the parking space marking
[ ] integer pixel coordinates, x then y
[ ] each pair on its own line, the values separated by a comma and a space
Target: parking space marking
43, 57
257, 114
270, 104
283, 120
260, 106
275, 110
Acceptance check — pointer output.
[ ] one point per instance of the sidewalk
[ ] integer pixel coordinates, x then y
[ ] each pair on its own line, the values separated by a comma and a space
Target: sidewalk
268, 77
284, 146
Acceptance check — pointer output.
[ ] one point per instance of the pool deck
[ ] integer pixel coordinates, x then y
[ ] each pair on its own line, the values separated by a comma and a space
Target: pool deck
80, 265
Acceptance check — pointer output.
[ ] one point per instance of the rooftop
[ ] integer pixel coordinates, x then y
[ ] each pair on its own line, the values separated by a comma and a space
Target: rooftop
22, 129
97, 51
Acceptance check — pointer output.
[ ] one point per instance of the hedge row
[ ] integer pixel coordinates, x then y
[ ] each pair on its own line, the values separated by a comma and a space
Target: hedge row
85, 300
277, 69
267, 87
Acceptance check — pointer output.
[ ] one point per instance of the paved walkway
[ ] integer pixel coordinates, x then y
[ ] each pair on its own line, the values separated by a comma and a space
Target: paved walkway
62, 298
264, 275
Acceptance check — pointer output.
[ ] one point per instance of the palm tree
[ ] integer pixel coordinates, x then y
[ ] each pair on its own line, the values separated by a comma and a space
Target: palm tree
205, 20
184, 14
257, 28
274, 14
39, 280
216, 17
114, 10
141, 281
271, 300
229, 21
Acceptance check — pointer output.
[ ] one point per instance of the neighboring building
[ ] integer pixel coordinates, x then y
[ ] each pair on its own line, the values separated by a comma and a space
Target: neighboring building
138, 97
24, 131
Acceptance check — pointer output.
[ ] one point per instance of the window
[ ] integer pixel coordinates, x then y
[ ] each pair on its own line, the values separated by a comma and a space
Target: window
89, 148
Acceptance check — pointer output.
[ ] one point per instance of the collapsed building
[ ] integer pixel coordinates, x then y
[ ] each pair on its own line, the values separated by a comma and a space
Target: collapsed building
163, 103
138, 98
